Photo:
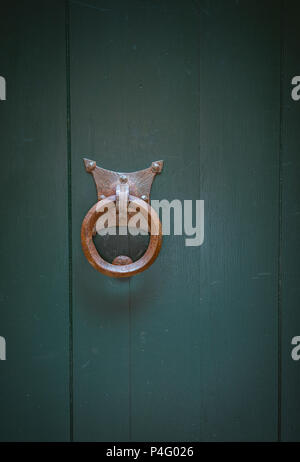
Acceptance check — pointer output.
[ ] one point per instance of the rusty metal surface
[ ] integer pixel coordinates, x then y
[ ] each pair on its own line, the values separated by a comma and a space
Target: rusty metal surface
121, 187
139, 182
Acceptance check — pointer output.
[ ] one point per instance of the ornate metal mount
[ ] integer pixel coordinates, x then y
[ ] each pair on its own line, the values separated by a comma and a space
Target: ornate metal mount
139, 183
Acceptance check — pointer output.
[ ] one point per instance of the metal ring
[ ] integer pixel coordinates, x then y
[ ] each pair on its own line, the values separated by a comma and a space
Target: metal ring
120, 271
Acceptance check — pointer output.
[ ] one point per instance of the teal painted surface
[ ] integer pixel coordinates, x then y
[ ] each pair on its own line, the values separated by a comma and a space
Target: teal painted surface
290, 273
34, 392
239, 152
197, 348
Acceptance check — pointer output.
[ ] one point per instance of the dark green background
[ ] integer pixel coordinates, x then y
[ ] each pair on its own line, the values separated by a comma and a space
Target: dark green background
198, 347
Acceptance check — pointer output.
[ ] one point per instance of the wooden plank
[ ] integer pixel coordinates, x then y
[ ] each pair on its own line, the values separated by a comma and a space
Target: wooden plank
240, 90
34, 388
165, 300
100, 119
290, 273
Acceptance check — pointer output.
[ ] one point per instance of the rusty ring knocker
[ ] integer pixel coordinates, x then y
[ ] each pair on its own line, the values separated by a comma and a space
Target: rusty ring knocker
120, 188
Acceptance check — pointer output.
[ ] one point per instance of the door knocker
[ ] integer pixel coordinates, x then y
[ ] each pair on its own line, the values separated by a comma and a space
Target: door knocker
120, 196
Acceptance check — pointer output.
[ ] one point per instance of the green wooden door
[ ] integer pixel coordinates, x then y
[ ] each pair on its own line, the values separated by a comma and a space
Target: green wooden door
198, 347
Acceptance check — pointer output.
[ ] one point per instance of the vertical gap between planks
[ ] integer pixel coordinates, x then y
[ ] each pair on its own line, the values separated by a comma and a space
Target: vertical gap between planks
129, 366
280, 181
200, 189
69, 169
129, 297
